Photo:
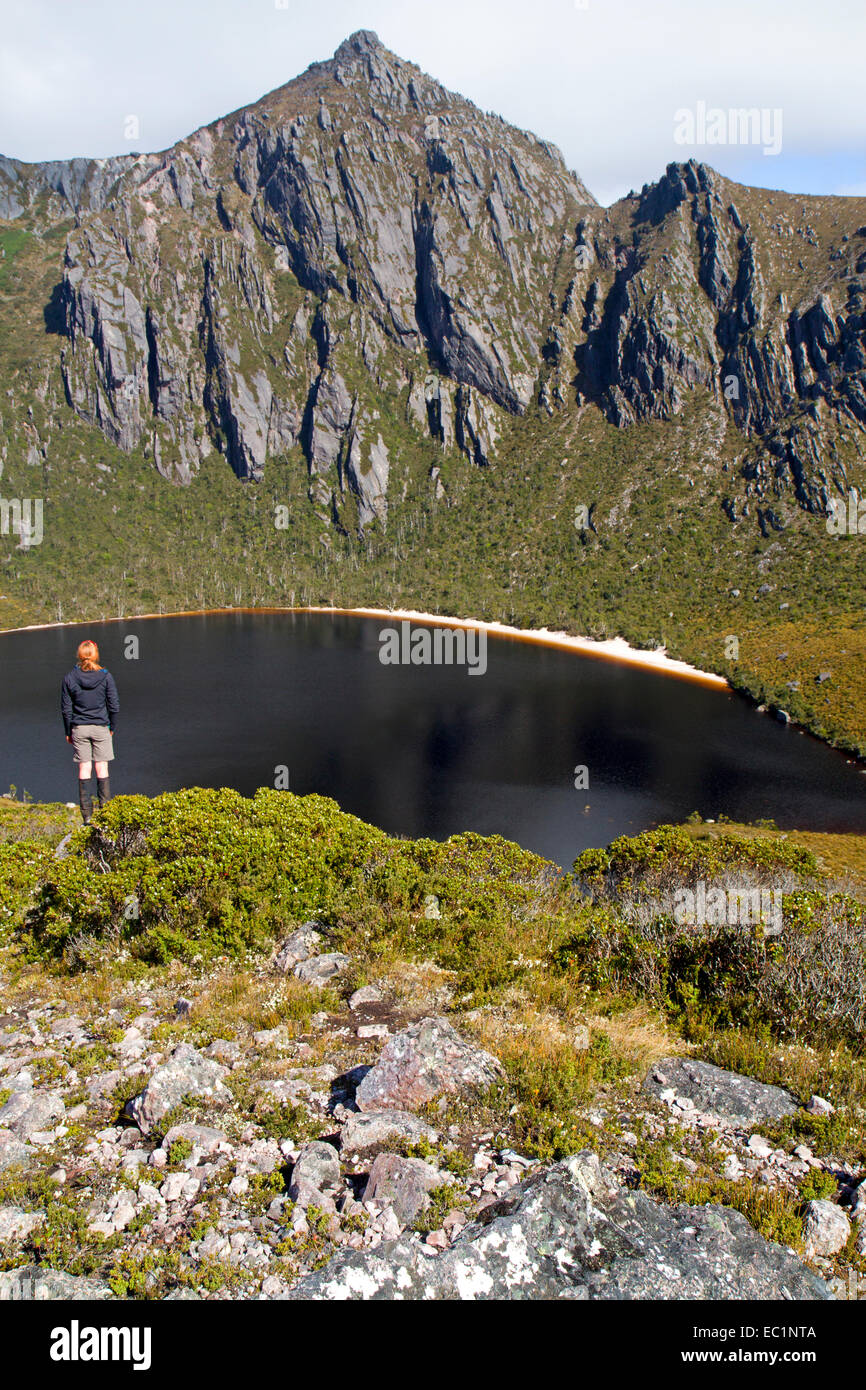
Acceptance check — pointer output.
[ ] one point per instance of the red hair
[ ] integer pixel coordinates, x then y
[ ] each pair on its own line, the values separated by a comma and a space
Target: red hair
88, 656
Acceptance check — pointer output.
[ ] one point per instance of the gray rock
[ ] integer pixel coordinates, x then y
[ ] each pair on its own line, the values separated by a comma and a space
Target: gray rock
365, 1134
102, 1084
723, 1094
367, 994
305, 1194
403, 1184
223, 1050
186, 1073
317, 1168
15, 1223
320, 970
826, 1229
300, 946
30, 1112
35, 1282
819, 1106
571, 1232
12, 1150
200, 1136
428, 1059
69, 1027
369, 478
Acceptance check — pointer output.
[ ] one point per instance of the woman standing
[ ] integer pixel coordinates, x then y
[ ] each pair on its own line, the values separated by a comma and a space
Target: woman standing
89, 706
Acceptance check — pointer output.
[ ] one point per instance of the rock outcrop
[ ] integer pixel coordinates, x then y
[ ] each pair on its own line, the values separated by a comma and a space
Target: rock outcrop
427, 1060
722, 1094
186, 1073
36, 1282
572, 1232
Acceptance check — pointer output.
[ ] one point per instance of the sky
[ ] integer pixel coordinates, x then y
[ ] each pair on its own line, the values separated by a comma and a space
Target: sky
618, 85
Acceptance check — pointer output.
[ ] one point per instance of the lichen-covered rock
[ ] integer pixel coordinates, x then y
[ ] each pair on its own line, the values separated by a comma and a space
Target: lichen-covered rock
713, 1091
571, 1232
297, 947
29, 1112
15, 1223
825, 1230
426, 1060
318, 971
365, 1134
39, 1283
186, 1073
403, 1184
201, 1137
316, 1171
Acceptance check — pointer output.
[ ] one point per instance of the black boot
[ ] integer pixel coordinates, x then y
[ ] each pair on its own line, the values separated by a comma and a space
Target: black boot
103, 792
85, 799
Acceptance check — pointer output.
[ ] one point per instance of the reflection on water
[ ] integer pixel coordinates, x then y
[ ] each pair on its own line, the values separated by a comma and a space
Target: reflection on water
226, 699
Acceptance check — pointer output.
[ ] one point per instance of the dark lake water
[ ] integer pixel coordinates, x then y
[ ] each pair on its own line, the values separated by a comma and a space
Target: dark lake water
226, 699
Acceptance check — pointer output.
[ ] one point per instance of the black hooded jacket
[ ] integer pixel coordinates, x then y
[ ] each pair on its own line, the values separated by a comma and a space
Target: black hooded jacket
89, 697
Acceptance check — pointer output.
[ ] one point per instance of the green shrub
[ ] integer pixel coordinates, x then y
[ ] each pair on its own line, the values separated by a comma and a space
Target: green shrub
204, 872
22, 868
807, 982
670, 854
200, 872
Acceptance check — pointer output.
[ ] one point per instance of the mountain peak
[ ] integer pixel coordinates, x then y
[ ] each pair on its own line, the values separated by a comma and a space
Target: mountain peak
361, 42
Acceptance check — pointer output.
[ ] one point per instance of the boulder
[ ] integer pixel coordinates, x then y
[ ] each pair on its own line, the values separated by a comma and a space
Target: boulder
819, 1106
35, 1282
318, 971
570, 1231
365, 1134
296, 948
70, 1027
724, 1095
186, 1073
426, 1060
30, 1112
224, 1050
825, 1230
15, 1223
316, 1171
12, 1150
101, 1084
201, 1137
403, 1184
367, 994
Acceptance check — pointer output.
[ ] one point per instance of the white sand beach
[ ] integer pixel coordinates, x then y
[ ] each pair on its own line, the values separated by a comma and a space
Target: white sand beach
613, 649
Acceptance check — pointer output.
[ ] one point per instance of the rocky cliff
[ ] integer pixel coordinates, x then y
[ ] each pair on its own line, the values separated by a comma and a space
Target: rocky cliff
359, 231
363, 233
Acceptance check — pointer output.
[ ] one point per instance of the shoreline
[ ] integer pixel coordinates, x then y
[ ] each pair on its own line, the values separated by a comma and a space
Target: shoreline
615, 649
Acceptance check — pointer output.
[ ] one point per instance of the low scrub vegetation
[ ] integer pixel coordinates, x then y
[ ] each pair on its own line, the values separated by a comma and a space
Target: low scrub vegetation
206, 874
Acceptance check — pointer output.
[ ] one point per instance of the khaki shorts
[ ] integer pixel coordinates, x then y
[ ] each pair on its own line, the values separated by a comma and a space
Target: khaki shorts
92, 743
